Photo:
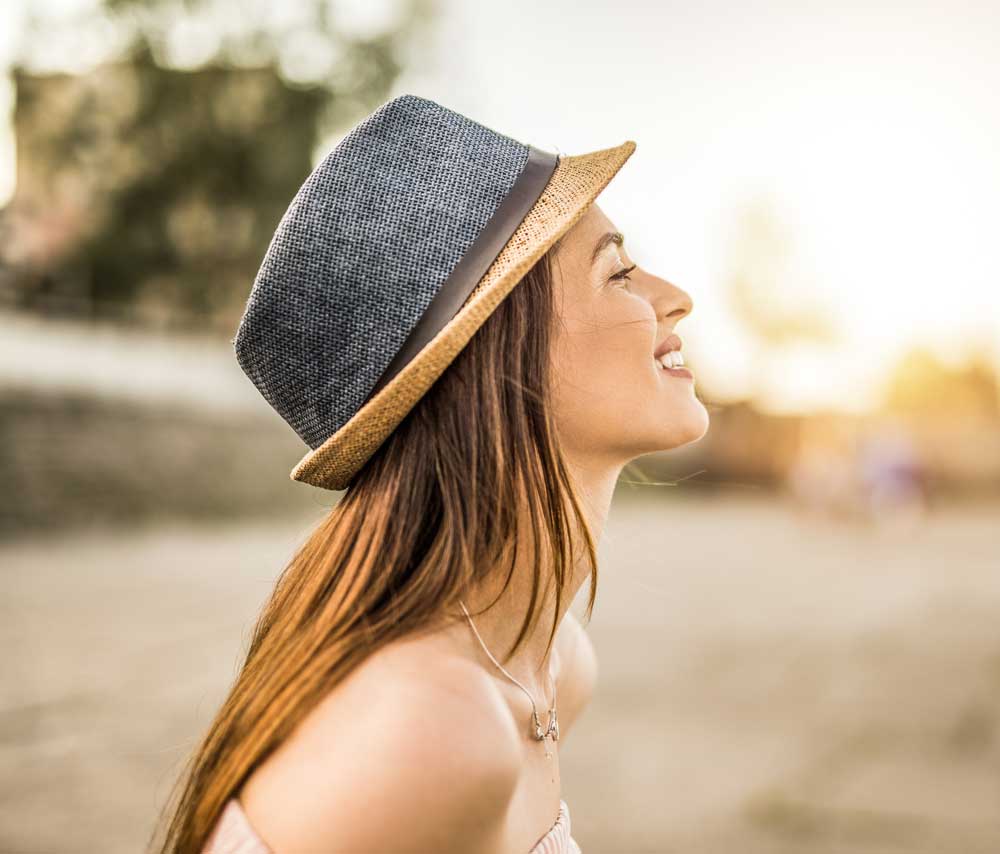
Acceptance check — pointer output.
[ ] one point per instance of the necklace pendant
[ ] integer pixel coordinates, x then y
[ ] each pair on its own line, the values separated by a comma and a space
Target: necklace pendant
552, 730
553, 727
539, 732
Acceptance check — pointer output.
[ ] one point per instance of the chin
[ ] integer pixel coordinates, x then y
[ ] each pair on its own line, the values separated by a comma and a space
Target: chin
687, 426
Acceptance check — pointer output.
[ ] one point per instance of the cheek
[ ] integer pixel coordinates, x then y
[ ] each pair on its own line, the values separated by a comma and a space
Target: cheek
612, 367
606, 367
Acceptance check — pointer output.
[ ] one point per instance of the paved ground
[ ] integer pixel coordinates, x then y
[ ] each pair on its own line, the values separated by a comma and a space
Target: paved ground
767, 684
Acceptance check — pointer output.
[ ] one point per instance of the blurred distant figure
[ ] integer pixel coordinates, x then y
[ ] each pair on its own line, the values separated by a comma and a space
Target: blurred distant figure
891, 475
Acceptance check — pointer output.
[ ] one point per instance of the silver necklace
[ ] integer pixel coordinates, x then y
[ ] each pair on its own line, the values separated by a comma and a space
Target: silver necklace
552, 729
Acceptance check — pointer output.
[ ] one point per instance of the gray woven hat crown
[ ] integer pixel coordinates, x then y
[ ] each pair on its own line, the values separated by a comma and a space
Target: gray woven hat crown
361, 252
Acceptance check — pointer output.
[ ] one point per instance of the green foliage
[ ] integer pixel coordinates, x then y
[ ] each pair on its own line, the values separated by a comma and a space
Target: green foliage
152, 192
185, 176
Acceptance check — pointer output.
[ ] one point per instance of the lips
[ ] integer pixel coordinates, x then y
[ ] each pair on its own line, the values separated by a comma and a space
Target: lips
671, 342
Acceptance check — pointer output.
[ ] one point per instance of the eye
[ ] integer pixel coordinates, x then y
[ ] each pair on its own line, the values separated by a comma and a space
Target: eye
623, 274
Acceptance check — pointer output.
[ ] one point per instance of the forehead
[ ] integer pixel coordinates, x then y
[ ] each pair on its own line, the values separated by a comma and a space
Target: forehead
579, 243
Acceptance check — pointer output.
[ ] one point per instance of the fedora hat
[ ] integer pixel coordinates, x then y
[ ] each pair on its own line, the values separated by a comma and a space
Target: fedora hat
392, 253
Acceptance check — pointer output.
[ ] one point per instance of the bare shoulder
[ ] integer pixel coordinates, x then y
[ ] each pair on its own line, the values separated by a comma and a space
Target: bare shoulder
577, 671
410, 753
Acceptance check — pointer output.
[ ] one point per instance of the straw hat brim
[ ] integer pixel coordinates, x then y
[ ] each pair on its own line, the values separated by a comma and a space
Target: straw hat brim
574, 184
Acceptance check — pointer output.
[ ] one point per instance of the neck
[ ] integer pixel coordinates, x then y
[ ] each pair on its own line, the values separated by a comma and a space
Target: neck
499, 626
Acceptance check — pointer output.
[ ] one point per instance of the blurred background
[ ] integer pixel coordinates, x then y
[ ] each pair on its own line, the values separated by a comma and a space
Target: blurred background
798, 624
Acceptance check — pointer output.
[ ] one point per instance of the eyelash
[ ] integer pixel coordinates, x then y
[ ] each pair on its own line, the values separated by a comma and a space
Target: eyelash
623, 274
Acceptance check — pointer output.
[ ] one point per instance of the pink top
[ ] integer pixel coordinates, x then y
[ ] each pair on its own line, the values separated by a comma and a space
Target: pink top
233, 834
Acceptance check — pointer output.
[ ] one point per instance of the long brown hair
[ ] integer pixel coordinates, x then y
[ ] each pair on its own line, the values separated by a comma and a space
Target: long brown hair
431, 511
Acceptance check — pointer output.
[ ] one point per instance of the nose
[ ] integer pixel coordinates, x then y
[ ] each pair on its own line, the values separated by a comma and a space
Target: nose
670, 301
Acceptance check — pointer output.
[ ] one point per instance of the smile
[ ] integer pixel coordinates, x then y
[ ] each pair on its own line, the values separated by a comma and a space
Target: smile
672, 362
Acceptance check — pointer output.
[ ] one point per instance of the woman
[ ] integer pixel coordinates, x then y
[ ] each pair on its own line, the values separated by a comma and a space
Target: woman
415, 669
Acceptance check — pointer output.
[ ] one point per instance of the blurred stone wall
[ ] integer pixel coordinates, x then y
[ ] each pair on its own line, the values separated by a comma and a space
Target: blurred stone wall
75, 460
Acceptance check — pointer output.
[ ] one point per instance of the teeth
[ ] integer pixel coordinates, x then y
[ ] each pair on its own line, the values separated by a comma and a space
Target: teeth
672, 359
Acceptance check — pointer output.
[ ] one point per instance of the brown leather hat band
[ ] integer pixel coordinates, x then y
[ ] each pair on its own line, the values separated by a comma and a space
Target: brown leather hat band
476, 261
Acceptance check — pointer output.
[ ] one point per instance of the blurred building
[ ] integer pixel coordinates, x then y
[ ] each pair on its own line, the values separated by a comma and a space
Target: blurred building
839, 462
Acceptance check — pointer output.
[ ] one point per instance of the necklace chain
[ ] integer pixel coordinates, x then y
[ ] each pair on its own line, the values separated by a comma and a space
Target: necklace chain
552, 729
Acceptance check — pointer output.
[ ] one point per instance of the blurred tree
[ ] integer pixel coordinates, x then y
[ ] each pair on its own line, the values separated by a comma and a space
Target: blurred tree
763, 291
924, 386
776, 304
151, 191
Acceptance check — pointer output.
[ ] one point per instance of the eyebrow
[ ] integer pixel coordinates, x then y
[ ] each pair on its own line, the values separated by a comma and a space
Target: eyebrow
606, 240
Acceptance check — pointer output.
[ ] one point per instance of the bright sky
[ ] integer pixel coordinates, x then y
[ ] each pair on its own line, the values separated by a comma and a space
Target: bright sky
872, 132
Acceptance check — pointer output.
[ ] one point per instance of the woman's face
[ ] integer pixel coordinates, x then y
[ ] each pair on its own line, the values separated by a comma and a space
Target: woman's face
613, 402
